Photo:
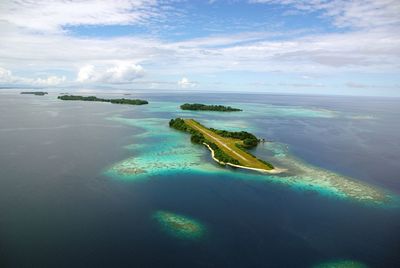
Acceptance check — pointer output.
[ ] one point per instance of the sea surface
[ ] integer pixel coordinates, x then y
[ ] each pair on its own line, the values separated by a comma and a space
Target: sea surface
88, 184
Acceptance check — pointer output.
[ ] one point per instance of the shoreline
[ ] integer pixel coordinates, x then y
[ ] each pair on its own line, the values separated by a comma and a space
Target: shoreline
271, 171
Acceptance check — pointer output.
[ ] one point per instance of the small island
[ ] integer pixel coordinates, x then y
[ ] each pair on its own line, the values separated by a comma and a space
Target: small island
227, 147
204, 107
93, 98
36, 93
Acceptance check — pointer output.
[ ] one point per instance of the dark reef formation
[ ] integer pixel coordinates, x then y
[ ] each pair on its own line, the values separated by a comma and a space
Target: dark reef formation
93, 98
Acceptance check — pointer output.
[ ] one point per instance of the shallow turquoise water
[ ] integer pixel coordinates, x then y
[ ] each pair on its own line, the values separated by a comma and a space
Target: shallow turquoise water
159, 150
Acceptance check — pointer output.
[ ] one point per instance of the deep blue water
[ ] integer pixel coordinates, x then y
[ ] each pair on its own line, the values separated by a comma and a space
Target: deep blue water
58, 208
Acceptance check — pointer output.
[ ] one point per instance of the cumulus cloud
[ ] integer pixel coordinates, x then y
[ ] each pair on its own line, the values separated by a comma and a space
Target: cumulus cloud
35, 38
86, 73
123, 73
6, 77
361, 51
117, 74
50, 81
186, 83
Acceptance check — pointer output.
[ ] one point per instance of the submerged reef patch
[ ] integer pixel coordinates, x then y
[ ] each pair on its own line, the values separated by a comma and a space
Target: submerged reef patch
179, 226
158, 150
341, 264
304, 176
290, 111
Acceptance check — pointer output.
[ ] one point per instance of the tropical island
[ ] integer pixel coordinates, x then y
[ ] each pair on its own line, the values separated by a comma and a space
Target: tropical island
227, 147
93, 98
204, 107
36, 93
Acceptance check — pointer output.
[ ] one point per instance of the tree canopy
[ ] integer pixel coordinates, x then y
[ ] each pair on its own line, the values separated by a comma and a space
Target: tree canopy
93, 98
204, 107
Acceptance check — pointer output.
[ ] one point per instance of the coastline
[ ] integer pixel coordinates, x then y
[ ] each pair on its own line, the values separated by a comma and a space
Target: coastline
271, 171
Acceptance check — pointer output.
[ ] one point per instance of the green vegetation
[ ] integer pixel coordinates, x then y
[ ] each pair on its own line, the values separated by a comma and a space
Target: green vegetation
204, 107
228, 147
242, 147
199, 138
180, 124
249, 140
36, 93
265, 163
93, 98
221, 156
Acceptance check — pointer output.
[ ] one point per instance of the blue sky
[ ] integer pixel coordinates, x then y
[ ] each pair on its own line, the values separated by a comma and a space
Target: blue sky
279, 46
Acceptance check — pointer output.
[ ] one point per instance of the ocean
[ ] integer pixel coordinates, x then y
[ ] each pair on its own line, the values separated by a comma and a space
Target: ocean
88, 184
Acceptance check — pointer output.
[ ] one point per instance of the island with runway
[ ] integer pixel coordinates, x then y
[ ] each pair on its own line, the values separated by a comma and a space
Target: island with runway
227, 147
93, 98
204, 107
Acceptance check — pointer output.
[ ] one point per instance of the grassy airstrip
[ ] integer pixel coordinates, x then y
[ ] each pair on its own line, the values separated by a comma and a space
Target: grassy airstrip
228, 146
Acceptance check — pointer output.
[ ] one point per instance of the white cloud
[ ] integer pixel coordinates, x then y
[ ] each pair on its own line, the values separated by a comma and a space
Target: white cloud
362, 51
123, 73
86, 73
6, 77
50, 81
52, 16
120, 73
32, 40
345, 13
186, 83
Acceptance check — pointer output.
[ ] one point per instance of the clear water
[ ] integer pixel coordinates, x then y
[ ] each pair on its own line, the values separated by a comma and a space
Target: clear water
80, 183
